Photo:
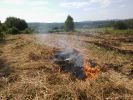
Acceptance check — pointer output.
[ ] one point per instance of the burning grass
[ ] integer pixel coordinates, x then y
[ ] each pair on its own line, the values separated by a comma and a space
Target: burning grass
89, 71
73, 61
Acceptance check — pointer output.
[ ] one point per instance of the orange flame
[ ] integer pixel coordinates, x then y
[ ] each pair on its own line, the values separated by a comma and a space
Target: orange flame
90, 72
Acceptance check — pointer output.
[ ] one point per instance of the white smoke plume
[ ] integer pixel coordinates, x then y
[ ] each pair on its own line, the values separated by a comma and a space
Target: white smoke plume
66, 43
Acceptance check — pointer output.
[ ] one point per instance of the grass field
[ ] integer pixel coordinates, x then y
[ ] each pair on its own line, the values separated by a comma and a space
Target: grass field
28, 73
108, 30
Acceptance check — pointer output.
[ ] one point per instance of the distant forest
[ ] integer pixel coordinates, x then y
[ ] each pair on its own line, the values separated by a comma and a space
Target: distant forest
46, 27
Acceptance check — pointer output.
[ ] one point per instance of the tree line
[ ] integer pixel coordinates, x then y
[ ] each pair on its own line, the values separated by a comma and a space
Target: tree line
121, 24
13, 25
69, 25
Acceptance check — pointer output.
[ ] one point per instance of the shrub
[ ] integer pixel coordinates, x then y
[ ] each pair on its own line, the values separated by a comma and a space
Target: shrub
12, 22
120, 25
27, 31
12, 30
1, 33
129, 23
0, 30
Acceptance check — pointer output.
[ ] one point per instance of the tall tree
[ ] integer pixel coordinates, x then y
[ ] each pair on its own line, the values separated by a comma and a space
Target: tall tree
69, 24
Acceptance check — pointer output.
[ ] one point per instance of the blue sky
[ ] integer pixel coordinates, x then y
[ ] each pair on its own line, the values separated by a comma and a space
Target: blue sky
57, 10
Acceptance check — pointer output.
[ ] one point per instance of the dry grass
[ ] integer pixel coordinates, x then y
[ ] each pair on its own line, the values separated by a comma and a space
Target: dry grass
27, 73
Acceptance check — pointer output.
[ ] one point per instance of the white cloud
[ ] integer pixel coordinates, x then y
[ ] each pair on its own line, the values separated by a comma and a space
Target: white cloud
35, 14
88, 9
82, 4
102, 3
74, 4
48, 10
105, 3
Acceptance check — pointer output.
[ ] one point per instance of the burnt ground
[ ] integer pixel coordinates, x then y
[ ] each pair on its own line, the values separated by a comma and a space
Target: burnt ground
28, 73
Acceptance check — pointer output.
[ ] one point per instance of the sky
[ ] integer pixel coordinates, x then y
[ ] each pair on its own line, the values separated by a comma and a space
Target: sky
58, 10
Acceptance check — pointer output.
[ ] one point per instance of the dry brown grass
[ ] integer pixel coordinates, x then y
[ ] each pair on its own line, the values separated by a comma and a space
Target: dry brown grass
33, 76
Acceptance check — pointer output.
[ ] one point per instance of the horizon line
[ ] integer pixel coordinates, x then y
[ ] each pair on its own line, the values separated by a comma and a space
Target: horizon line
84, 20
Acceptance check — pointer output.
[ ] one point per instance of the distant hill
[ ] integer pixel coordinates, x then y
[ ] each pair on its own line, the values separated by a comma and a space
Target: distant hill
45, 27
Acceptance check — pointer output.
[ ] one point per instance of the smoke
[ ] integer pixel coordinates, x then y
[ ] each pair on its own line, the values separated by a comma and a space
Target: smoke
70, 57
66, 43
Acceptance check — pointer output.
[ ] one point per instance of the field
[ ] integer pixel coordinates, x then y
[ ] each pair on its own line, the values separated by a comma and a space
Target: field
28, 73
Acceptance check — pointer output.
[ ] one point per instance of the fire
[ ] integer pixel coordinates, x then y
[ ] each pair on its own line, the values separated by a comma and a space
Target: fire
90, 72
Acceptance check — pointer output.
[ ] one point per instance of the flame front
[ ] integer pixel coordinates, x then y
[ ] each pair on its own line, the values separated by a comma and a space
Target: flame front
90, 72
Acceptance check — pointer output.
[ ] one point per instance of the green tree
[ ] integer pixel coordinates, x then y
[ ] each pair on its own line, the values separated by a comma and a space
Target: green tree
13, 22
69, 24
120, 25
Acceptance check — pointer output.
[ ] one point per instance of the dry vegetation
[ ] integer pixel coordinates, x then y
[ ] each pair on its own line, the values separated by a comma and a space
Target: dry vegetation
28, 73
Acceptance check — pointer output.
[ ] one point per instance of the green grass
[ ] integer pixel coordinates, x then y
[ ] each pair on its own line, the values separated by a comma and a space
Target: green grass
118, 32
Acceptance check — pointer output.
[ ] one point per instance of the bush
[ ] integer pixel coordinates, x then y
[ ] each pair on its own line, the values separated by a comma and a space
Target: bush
1, 32
27, 31
14, 25
56, 29
2, 35
120, 25
12, 30
12, 22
